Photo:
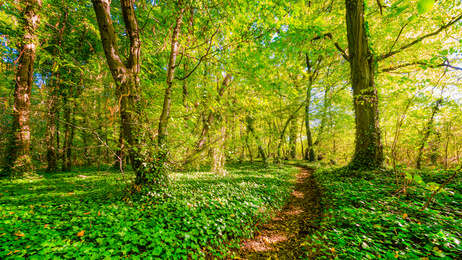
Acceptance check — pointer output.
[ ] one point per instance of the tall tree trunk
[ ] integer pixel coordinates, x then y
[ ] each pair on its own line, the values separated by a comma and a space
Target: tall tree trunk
218, 153
53, 99
70, 154
121, 149
309, 137
50, 135
58, 134
248, 145
368, 147
125, 76
325, 107
448, 138
20, 161
186, 64
286, 124
313, 69
293, 133
66, 166
86, 151
164, 116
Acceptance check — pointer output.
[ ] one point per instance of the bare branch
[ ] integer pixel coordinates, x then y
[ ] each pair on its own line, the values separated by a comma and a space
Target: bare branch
201, 58
399, 34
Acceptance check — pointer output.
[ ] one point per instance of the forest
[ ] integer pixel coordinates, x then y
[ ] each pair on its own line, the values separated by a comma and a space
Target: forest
217, 129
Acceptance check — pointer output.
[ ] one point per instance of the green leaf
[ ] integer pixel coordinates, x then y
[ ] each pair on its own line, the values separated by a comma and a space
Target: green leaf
432, 186
408, 176
157, 250
412, 18
424, 6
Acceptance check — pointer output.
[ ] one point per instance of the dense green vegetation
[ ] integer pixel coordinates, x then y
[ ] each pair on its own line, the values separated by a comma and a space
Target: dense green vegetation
70, 216
366, 91
366, 218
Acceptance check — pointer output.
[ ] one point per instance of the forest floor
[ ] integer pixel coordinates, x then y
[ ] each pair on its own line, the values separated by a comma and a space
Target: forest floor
284, 235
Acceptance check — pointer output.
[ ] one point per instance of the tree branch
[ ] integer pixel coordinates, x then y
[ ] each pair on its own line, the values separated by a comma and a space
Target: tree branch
380, 6
201, 58
342, 51
433, 66
329, 35
419, 39
407, 64
108, 35
399, 34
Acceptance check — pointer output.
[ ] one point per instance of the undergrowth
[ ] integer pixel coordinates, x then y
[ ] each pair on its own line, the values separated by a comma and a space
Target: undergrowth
88, 215
368, 219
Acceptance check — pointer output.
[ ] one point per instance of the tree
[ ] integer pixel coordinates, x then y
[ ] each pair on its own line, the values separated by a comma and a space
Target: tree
20, 161
368, 146
125, 74
363, 65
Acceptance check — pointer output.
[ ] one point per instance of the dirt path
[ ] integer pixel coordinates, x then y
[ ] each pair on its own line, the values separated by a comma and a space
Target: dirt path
282, 236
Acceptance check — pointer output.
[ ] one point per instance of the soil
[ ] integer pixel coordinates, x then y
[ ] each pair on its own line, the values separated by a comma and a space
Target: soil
283, 236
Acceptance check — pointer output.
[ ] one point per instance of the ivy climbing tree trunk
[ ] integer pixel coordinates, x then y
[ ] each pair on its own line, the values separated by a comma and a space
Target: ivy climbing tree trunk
368, 147
19, 160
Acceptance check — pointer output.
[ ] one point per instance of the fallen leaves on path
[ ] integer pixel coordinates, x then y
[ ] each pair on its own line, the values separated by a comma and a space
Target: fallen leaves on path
283, 236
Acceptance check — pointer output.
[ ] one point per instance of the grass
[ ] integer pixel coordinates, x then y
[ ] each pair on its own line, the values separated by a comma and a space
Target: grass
60, 216
366, 219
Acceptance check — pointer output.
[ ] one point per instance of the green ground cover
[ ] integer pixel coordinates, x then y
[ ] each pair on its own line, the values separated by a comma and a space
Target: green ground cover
60, 216
367, 219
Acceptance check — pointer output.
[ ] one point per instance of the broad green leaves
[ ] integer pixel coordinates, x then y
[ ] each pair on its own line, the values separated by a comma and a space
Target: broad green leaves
366, 221
66, 216
424, 6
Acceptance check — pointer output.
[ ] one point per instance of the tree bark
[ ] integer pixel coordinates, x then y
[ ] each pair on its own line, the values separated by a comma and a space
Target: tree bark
20, 161
163, 120
125, 76
310, 150
66, 166
368, 147
51, 132
186, 64
325, 107
53, 99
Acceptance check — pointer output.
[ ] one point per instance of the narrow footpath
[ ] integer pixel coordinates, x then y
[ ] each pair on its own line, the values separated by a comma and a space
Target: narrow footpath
282, 236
